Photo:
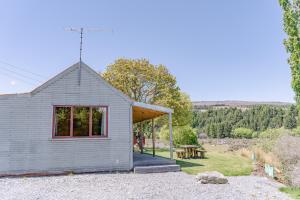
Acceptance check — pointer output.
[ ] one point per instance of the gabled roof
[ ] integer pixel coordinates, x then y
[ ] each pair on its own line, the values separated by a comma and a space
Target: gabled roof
141, 111
75, 67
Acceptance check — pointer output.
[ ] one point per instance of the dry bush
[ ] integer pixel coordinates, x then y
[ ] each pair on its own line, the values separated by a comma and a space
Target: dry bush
294, 175
268, 138
216, 148
234, 144
245, 152
270, 158
287, 149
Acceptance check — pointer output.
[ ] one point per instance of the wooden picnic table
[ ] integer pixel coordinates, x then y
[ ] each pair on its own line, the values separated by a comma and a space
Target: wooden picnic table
189, 150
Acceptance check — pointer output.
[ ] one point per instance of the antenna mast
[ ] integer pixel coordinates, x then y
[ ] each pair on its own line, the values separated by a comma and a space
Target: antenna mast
79, 75
80, 30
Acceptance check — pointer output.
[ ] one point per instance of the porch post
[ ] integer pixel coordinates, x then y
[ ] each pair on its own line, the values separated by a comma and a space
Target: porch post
171, 135
153, 138
142, 137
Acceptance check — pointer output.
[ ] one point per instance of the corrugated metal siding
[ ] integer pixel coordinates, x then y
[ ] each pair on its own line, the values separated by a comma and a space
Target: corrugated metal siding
26, 143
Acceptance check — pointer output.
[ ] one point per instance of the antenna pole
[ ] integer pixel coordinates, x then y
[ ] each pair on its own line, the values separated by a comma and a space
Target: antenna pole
80, 53
81, 32
79, 77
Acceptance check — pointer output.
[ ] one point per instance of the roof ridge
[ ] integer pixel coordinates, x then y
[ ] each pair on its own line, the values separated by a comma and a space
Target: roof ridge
72, 68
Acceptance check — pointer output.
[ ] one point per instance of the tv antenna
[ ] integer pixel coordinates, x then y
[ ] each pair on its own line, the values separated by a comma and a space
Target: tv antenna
81, 31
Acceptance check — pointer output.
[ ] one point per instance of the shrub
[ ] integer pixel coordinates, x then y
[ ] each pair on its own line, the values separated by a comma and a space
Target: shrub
272, 133
242, 133
296, 131
263, 157
181, 135
279, 148
245, 153
287, 150
255, 134
268, 138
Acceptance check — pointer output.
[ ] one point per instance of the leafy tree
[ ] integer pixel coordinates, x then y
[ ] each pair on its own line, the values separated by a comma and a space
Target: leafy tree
290, 120
182, 135
148, 83
291, 21
242, 133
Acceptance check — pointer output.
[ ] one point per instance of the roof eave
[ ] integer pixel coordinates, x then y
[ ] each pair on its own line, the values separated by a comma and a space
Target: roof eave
153, 107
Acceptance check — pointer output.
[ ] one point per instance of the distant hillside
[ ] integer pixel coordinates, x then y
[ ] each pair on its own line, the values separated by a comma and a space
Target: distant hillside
203, 105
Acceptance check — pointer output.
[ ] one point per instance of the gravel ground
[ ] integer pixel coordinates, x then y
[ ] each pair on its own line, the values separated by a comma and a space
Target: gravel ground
176, 185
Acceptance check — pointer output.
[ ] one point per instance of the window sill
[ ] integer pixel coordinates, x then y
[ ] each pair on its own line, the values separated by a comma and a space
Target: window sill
78, 138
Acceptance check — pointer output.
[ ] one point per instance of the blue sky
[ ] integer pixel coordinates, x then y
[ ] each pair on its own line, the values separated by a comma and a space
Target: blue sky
218, 50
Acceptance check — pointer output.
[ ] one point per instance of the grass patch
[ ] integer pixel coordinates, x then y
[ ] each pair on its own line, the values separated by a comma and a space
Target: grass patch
228, 163
291, 191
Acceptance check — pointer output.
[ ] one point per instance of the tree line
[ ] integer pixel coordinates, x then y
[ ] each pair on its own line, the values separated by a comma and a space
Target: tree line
220, 123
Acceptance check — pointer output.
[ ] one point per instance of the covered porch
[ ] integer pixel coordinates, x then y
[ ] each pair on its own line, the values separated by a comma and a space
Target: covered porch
146, 112
149, 160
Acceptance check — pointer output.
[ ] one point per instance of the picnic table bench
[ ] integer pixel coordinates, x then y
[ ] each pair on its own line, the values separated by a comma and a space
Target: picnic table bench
190, 151
180, 153
201, 153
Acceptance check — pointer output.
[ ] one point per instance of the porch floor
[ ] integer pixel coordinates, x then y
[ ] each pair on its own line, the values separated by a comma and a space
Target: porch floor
148, 160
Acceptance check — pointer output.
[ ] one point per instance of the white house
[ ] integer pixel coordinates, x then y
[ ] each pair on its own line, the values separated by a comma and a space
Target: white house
75, 121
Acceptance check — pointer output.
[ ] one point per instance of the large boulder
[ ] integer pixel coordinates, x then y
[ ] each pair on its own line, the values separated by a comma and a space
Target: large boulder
211, 178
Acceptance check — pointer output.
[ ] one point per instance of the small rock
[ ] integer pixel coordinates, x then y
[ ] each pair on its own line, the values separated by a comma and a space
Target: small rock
211, 178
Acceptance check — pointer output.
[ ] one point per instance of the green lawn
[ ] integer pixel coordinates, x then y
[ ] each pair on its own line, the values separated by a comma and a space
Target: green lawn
293, 192
228, 163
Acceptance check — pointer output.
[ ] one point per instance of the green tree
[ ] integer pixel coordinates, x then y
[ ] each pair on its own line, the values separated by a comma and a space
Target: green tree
182, 135
148, 83
220, 122
291, 21
290, 120
242, 133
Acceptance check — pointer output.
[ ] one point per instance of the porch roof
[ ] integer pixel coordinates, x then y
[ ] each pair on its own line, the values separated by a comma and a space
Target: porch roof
143, 111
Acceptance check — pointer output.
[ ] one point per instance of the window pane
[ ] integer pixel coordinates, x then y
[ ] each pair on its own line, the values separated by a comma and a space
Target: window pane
81, 121
62, 121
99, 121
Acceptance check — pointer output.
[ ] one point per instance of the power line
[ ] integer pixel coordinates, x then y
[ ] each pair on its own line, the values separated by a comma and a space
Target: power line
18, 78
22, 69
19, 74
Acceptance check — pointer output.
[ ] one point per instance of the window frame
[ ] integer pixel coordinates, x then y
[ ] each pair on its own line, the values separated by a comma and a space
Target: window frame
72, 118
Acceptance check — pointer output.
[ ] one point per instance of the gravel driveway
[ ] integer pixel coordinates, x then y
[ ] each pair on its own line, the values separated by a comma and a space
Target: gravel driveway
176, 185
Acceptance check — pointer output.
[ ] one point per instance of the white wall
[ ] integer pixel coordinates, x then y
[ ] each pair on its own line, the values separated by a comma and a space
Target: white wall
26, 143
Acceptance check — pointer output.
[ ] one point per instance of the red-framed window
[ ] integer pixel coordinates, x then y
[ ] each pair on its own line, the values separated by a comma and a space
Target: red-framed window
80, 121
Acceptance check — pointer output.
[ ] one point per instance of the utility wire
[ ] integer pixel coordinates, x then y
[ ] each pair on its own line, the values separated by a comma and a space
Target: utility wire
18, 78
23, 69
26, 78
20, 74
